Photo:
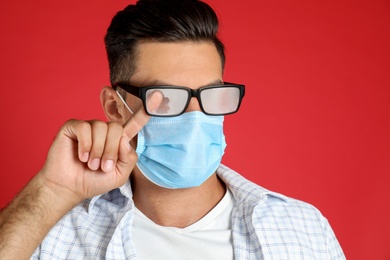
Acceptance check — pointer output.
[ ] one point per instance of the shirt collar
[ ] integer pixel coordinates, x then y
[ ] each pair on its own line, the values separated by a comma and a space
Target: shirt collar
244, 190
124, 190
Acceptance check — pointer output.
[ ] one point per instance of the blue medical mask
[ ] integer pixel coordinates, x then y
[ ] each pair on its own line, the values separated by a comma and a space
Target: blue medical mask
181, 151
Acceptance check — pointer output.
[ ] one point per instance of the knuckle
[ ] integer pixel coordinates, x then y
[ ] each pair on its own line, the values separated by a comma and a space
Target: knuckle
69, 123
133, 157
113, 126
99, 124
83, 126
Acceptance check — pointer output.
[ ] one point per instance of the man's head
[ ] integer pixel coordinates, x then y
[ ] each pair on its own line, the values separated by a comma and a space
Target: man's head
170, 48
157, 21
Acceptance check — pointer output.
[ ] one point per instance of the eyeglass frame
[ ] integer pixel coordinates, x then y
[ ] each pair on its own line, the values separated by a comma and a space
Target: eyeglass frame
140, 92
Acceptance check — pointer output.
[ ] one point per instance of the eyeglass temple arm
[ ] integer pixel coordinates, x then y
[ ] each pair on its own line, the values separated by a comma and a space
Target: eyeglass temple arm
128, 88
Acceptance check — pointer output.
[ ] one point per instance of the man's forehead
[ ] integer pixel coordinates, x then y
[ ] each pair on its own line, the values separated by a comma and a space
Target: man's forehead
154, 47
175, 63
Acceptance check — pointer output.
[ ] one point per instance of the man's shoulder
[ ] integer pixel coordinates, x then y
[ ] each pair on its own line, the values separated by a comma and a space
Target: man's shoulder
266, 202
277, 225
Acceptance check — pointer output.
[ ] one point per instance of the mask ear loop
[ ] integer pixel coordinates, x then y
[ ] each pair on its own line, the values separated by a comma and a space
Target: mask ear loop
124, 102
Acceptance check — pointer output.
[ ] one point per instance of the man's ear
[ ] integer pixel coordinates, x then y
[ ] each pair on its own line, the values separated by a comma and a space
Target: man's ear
113, 107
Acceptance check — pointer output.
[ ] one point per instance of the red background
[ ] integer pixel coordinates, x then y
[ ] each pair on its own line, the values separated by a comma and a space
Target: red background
314, 124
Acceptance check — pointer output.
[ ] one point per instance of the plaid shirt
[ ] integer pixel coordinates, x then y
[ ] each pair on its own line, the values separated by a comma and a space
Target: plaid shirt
266, 225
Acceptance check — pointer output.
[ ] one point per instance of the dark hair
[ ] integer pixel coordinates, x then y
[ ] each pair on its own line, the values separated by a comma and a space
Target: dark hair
159, 21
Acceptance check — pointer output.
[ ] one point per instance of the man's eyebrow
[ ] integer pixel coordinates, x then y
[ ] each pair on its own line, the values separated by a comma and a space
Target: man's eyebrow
162, 83
215, 82
155, 83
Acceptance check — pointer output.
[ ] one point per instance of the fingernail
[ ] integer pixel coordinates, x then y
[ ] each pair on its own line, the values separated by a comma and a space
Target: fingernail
109, 165
85, 157
95, 164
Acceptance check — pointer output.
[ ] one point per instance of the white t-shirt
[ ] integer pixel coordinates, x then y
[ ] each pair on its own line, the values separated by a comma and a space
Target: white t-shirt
208, 238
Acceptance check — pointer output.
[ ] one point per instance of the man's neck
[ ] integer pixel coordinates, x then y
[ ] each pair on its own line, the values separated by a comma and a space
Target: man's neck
176, 207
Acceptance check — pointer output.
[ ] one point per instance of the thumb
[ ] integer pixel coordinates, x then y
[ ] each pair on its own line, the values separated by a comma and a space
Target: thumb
127, 158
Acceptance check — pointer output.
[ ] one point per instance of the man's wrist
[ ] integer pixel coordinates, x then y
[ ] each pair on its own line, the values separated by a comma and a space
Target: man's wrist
59, 197
33, 212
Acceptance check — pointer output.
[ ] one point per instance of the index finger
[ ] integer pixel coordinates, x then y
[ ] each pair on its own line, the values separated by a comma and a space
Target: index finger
140, 118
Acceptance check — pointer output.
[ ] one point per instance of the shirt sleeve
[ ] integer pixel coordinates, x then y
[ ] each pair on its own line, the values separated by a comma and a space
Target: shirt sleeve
36, 254
334, 249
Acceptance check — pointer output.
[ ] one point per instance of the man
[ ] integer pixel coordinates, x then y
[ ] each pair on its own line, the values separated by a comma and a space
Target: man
148, 184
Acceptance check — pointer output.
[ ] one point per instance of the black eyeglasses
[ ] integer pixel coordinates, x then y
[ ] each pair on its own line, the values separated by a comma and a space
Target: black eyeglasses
216, 100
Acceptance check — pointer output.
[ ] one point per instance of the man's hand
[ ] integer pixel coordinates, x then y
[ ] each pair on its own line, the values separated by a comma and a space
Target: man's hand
86, 158
90, 158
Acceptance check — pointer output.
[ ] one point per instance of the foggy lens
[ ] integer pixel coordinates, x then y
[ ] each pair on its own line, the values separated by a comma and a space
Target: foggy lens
220, 100
173, 103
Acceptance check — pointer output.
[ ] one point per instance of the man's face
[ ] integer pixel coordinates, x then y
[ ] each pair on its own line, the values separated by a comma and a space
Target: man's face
187, 64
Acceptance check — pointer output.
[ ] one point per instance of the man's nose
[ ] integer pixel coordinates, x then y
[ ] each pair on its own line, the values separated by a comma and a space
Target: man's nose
193, 105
